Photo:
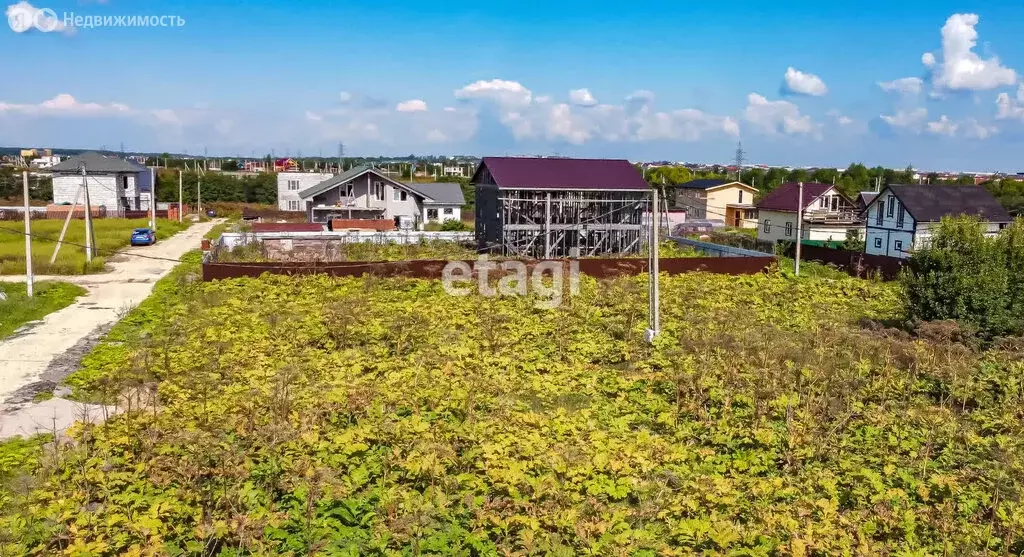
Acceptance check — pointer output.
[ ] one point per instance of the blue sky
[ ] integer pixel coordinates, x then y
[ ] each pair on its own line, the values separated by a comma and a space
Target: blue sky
934, 84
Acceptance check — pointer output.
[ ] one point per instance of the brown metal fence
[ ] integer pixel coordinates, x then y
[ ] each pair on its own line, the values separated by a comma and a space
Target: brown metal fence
432, 269
855, 263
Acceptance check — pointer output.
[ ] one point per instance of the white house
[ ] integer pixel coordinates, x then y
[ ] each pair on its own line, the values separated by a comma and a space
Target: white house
714, 199
827, 214
289, 184
45, 161
367, 193
113, 183
902, 217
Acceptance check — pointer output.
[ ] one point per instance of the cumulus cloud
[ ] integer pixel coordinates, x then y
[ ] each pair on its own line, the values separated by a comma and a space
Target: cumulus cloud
1010, 109
500, 90
582, 97
961, 68
345, 97
777, 116
313, 117
904, 86
975, 130
841, 119
910, 120
413, 105
943, 126
584, 119
800, 83
67, 105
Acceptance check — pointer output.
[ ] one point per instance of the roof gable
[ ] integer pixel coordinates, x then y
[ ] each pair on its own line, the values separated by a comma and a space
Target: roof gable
715, 183
559, 173
929, 203
96, 163
443, 193
786, 197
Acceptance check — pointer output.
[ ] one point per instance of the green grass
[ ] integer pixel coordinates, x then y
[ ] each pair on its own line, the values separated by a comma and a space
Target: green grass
19, 309
111, 235
217, 230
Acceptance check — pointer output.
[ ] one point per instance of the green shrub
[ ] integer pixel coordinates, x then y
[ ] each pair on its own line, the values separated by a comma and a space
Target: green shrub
968, 277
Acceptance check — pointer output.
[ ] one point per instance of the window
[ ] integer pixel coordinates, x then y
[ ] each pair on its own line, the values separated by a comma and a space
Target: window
293, 205
348, 190
431, 214
878, 243
892, 206
395, 191
741, 196
378, 190
835, 202
293, 185
899, 245
899, 217
767, 225
789, 229
881, 209
404, 196
448, 211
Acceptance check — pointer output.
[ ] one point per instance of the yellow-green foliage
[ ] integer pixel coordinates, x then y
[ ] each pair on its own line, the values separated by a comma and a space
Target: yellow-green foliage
310, 415
111, 235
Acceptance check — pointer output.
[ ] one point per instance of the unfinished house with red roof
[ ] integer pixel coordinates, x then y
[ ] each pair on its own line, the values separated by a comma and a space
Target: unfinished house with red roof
557, 207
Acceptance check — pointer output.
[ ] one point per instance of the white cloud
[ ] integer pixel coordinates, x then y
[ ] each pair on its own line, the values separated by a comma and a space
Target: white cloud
413, 105
903, 86
800, 83
974, 130
436, 136
449, 109
961, 68
24, 17
943, 126
777, 116
640, 96
500, 90
911, 120
345, 97
1010, 109
67, 105
582, 97
313, 117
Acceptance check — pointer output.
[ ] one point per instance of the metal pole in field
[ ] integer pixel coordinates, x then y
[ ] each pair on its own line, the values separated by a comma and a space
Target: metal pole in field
199, 194
179, 196
653, 319
547, 226
799, 227
29, 279
88, 217
64, 229
152, 199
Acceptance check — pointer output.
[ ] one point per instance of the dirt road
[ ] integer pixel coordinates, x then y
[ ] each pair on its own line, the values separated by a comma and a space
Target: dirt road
38, 356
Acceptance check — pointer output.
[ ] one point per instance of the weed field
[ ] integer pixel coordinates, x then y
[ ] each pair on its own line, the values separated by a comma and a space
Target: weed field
359, 416
111, 235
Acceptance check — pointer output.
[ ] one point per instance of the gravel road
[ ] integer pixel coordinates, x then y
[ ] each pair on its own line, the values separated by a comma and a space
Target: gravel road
41, 354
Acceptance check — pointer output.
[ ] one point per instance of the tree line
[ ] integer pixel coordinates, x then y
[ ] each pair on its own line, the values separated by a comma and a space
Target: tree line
258, 188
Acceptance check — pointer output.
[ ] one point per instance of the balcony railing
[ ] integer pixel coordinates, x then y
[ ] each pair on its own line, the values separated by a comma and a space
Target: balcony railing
833, 217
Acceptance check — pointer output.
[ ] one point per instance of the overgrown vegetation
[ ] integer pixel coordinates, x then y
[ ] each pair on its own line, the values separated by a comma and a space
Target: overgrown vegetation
965, 276
111, 235
288, 415
19, 309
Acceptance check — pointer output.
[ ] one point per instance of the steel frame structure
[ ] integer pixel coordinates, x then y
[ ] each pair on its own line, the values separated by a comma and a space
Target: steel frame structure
542, 223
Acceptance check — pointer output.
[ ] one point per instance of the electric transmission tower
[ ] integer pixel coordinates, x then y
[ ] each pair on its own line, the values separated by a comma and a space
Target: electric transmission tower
739, 159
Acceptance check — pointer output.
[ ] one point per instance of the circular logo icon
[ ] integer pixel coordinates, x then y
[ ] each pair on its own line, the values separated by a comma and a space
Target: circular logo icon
21, 17
46, 20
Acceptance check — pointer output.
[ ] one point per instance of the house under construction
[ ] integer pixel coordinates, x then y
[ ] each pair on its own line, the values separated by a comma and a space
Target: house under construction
555, 207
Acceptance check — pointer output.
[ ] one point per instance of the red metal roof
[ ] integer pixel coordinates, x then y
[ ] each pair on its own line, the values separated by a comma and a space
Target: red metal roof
784, 198
556, 173
287, 227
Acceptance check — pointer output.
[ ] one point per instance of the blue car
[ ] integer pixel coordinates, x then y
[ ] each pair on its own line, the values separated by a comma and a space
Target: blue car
143, 237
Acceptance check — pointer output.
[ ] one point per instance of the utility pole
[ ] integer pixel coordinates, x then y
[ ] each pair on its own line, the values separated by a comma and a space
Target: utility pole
199, 195
88, 217
29, 279
152, 199
180, 206
799, 228
653, 295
